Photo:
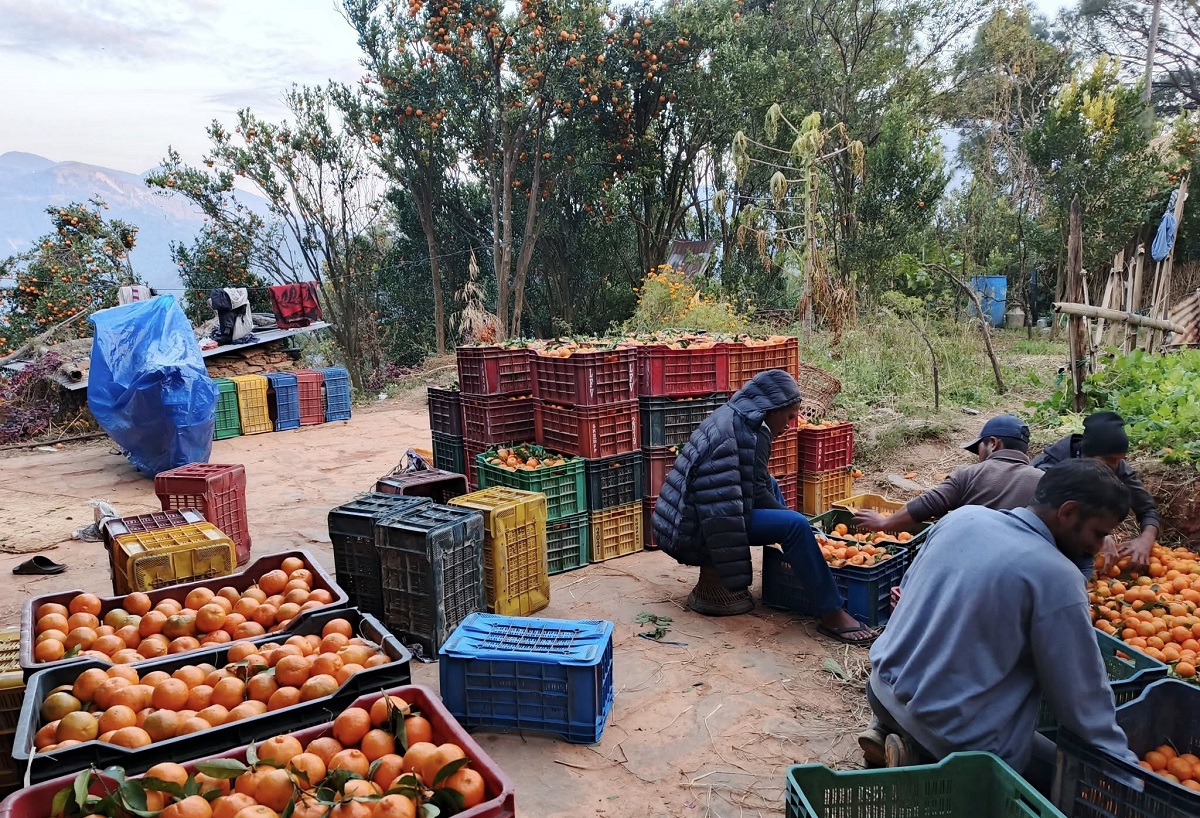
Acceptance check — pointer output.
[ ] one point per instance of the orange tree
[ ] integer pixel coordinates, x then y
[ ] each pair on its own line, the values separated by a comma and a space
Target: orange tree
78, 267
219, 257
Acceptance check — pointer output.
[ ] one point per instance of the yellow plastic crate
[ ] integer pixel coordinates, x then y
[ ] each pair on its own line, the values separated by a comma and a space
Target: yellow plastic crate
148, 560
12, 693
818, 492
252, 404
516, 574
616, 532
870, 502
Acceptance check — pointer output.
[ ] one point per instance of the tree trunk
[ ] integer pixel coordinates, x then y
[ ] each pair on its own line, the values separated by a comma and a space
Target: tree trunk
1077, 332
425, 213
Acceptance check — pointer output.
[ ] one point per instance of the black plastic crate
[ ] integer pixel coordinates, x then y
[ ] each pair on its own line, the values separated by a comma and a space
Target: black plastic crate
217, 739
613, 481
439, 486
1091, 783
671, 421
431, 559
445, 411
355, 558
867, 591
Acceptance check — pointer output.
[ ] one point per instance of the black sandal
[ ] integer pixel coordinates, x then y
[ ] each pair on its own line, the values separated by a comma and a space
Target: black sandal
39, 565
840, 634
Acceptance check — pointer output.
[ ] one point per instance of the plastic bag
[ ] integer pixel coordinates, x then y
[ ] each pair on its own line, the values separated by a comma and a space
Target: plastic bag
148, 388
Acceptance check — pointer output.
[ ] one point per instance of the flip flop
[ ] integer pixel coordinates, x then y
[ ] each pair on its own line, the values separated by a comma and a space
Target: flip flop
840, 634
39, 565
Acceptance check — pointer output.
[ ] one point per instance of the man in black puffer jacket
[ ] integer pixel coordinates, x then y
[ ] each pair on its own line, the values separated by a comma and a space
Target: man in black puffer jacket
719, 500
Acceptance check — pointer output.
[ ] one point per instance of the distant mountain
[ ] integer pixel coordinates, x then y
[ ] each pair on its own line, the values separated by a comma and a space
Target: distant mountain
30, 183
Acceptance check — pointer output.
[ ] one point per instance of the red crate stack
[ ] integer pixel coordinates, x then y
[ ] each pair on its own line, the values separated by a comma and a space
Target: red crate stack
591, 378
664, 372
825, 452
589, 431
312, 404
218, 491
493, 370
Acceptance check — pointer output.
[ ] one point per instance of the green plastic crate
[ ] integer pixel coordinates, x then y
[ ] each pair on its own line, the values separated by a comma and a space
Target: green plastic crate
1128, 675
568, 543
962, 785
229, 420
565, 486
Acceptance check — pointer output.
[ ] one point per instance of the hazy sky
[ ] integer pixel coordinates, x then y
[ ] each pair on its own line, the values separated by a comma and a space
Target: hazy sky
114, 82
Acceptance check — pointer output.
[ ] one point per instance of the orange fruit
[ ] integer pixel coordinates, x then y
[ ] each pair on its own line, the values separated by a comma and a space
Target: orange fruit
179, 625
351, 725
302, 574
233, 621
103, 697
417, 729
296, 596
380, 709
246, 606
469, 784
197, 598
261, 687
320, 596
273, 581
47, 608
152, 623
238, 651
387, 769
229, 692
395, 806
168, 771
248, 630
246, 710
257, 811
183, 644
292, 671
194, 806
324, 748
359, 788
199, 697
317, 687
116, 717
265, 615
287, 611
333, 642
88, 682
228, 806
154, 677
45, 736
418, 754
275, 789
208, 783
356, 654
1179, 768
230, 593
154, 646
136, 603
162, 724
247, 782
108, 645
55, 634
215, 715
82, 620
169, 606
377, 744
193, 725
81, 637
346, 672
51, 650
327, 664
307, 768
283, 697
132, 737
85, 603
377, 660
280, 750
351, 809
255, 593
1185, 669
352, 760
127, 656
282, 652
291, 564
445, 754
52, 621
170, 694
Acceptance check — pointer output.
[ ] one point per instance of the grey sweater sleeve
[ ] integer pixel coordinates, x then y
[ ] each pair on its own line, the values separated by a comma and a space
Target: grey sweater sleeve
940, 500
1141, 501
764, 498
1073, 680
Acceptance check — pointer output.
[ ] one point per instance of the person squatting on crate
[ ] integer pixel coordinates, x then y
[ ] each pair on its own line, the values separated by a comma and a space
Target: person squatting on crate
719, 499
1104, 439
993, 620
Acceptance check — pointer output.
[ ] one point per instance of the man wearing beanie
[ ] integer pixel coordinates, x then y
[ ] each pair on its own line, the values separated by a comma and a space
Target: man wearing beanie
1104, 439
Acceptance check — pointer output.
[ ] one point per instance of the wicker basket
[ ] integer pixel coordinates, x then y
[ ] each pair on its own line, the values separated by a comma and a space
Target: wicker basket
711, 598
818, 389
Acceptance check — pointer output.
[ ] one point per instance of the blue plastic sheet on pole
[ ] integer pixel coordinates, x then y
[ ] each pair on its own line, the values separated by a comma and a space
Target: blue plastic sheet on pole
148, 387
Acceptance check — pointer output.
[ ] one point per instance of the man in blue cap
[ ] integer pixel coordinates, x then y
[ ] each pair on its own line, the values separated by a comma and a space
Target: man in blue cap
1001, 480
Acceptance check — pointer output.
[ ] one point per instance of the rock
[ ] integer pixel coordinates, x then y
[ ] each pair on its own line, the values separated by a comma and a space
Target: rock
904, 484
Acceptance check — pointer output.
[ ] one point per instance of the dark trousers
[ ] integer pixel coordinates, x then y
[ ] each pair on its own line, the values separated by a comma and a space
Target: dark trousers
793, 532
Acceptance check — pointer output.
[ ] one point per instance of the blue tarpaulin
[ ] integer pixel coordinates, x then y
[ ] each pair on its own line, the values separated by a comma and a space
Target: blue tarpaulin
148, 387
1164, 240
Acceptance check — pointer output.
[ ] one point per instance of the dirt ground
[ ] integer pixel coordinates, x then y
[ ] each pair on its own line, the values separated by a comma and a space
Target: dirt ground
705, 722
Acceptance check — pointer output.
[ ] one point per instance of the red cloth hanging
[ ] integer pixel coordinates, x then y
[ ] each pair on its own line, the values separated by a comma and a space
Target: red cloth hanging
295, 305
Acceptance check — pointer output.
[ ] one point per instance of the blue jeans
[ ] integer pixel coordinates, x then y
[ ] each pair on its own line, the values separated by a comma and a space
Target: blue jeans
792, 531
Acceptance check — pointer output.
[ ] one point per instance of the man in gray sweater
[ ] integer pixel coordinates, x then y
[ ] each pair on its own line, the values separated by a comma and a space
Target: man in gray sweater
993, 618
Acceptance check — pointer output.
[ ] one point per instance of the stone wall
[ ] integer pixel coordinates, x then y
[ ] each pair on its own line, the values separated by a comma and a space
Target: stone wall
272, 357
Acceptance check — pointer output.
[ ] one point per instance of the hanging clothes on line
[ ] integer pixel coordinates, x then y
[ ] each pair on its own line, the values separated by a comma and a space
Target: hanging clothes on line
295, 305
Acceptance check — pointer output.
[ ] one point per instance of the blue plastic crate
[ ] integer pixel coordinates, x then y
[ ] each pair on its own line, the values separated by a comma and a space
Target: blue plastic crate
283, 400
867, 590
525, 673
337, 393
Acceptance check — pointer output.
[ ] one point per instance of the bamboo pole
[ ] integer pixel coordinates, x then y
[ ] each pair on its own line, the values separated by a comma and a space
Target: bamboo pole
1076, 329
1134, 301
1118, 316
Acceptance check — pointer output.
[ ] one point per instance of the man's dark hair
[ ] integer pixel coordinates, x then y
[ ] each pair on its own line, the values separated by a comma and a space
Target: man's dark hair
1089, 483
1017, 444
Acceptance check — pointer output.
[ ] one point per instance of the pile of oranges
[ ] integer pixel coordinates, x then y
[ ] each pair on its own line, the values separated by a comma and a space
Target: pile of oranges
122, 707
1178, 769
135, 631
358, 770
1155, 613
862, 550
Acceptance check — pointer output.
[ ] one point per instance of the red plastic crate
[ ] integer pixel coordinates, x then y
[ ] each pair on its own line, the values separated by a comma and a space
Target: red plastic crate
745, 362
440, 486
499, 800
312, 405
656, 465
217, 490
471, 450
492, 370
785, 457
586, 378
588, 431
821, 450
682, 373
789, 487
498, 419
647, 527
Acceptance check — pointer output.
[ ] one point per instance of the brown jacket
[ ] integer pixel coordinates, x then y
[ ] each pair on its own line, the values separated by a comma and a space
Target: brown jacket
1002, 482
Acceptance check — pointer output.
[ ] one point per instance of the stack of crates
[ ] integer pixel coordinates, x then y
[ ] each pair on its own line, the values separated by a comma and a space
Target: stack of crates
112, 528
496, 404
516, 575
356, 559
216, 490
445, 424
336, 381
252, 404
826, 452
159, 558
587, 407
228, 420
